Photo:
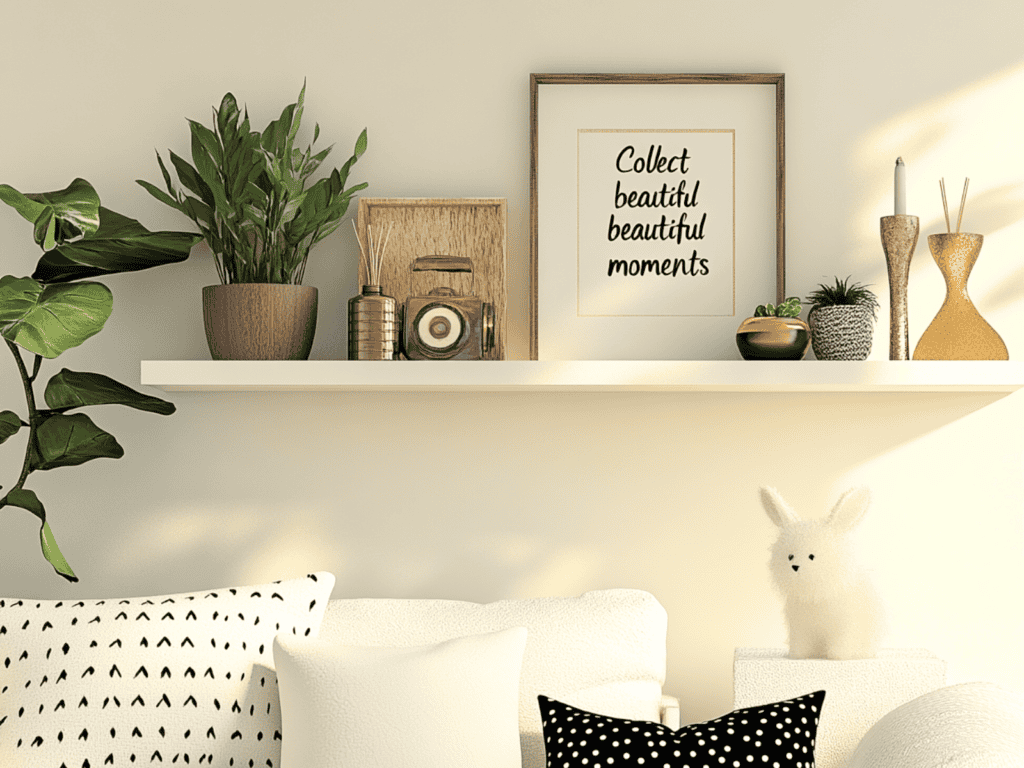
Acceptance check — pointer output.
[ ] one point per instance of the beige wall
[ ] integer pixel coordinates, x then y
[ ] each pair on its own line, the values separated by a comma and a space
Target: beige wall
560, 494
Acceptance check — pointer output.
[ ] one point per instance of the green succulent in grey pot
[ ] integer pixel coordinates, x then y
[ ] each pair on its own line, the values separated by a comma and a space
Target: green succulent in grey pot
246, 191
59, 307
842, 319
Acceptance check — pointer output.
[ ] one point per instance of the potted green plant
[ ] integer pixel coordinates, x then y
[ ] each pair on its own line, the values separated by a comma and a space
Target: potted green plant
58, 308
774, 332
842, 318
246, 192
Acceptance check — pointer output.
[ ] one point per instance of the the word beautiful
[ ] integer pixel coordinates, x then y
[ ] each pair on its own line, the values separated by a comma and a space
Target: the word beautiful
676, 229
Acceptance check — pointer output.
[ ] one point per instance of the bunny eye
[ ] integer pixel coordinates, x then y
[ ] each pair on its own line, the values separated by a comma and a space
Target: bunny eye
790, 557
810, 557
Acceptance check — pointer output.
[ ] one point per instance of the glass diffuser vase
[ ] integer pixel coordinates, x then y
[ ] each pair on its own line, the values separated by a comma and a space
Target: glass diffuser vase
958, 332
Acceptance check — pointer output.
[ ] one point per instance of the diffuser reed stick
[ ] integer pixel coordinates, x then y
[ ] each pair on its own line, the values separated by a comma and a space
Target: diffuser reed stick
963, 202
945, 208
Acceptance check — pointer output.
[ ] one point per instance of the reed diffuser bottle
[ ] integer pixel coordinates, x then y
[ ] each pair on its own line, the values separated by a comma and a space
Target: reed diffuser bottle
372, 321
958, 332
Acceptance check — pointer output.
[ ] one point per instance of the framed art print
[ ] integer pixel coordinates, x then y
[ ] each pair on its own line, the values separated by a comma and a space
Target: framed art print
657, 213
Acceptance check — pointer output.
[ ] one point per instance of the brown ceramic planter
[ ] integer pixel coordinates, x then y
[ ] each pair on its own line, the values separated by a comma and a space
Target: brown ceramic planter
259, 321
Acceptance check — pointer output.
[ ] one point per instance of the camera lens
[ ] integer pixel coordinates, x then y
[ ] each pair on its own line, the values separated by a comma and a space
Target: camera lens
438, 327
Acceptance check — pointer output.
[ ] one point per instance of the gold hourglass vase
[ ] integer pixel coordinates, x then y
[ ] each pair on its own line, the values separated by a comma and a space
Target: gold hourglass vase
958, 332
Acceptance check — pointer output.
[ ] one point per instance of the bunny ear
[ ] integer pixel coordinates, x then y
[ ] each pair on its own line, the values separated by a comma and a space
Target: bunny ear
850, 508
778, 510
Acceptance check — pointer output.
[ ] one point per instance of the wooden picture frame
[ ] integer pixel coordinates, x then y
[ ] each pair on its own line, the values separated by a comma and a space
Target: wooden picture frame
595, 139
474, 228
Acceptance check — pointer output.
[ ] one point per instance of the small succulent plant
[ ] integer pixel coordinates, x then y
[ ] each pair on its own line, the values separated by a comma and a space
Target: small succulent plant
844, 293
789, 308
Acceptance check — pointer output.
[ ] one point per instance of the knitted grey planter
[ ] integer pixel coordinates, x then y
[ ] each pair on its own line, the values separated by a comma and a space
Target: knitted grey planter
841, 332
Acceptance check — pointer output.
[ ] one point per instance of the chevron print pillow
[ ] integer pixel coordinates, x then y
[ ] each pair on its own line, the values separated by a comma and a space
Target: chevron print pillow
183, 680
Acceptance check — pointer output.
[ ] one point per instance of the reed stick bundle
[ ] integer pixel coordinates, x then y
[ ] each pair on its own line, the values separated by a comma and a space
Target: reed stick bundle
373, 255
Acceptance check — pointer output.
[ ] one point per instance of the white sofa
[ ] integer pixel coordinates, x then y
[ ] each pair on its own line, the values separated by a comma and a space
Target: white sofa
603, 651
190, 678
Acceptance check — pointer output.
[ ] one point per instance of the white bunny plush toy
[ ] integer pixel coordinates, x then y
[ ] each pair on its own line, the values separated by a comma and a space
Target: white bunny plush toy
832, 608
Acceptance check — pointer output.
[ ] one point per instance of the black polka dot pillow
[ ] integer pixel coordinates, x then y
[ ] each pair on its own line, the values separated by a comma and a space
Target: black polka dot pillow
779, 735
182, 680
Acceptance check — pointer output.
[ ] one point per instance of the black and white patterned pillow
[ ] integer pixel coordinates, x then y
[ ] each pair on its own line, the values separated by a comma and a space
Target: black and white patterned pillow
177, 680
779, 735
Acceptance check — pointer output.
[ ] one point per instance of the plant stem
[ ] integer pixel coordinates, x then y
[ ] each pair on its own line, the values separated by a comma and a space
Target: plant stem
33, 413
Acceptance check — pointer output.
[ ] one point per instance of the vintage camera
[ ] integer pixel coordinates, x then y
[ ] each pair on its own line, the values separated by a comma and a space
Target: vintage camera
442, 324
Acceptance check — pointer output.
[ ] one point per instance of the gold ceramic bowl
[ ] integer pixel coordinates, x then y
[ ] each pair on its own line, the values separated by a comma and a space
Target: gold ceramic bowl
773, 338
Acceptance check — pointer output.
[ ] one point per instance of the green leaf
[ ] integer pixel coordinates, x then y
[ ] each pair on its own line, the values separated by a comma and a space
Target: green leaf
45, 230
67, 441
208, 139
74, 389
190, 179
227, 115
120, 244
26, 499
167, 176
10, 423
49, 320
160, 195
57, 216
206, 165
30, 209
53, 554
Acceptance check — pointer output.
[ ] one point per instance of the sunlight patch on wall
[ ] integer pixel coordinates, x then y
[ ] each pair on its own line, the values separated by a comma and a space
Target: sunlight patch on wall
567, 570
945, 538
231, 544
972, 132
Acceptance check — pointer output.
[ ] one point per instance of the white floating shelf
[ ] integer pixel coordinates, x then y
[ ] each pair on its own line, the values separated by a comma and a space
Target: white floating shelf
583, 376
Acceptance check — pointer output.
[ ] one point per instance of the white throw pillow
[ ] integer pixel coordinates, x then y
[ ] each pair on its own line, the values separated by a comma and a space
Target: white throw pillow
450, 705
179, 680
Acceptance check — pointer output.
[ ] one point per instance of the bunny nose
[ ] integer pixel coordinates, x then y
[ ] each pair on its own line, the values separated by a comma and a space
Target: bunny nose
796, 567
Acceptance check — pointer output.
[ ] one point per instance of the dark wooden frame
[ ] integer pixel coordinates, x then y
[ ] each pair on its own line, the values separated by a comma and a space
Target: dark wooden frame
776, 79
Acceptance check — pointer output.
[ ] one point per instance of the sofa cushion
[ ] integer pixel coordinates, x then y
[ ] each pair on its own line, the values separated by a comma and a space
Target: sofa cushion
174, 679
461, 696
603, 651
781, 735
969, 725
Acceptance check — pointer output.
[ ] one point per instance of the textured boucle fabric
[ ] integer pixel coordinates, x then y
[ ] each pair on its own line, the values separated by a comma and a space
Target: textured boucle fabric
971, 725
603, 651
859, 691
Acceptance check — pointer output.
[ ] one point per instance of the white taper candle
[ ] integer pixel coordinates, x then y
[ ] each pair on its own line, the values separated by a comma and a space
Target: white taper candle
901, 188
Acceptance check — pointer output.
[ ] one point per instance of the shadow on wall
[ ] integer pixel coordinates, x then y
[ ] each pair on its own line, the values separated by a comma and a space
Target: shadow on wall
974, 132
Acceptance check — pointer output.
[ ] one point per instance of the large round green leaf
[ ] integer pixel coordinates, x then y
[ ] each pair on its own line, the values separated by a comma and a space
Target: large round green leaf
66, 441
73, 389
48, 320
57, 216
121, 244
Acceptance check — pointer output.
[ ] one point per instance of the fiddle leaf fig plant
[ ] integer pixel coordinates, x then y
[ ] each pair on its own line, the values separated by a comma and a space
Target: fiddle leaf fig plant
246, 192
48, 313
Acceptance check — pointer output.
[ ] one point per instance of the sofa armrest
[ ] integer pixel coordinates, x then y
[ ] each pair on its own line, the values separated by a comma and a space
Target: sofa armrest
670, 711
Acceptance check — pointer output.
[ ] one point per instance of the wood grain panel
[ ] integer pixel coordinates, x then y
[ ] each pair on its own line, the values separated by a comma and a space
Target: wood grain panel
472, 227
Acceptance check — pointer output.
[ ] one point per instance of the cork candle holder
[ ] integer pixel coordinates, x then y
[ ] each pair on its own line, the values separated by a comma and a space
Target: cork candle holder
899, 239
